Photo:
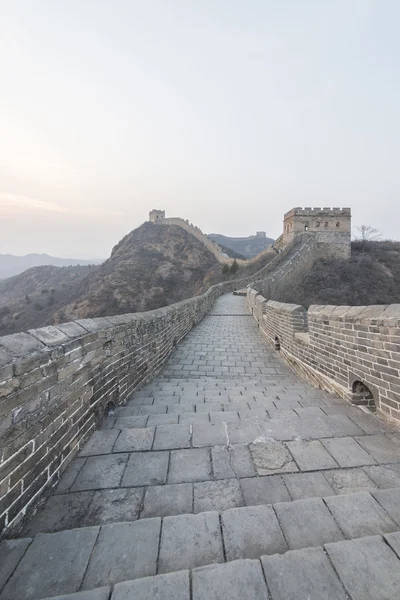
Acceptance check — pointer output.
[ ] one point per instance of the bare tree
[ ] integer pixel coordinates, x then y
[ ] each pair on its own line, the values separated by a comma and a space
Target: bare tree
365, 234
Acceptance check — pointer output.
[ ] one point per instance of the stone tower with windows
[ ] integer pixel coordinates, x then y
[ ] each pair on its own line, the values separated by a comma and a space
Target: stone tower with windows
330, 226
156, 215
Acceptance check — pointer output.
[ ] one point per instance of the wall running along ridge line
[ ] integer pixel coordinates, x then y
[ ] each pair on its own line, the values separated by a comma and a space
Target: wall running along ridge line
334, 347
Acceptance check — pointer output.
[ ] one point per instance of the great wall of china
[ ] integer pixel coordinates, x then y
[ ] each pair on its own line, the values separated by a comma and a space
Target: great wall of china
58, 383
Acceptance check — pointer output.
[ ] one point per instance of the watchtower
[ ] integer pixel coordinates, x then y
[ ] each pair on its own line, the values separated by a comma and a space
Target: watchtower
330, 226
156, 215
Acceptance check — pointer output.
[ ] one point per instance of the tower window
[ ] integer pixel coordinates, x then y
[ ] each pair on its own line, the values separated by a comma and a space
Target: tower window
338, 224
306, 226
326, 224
318, 224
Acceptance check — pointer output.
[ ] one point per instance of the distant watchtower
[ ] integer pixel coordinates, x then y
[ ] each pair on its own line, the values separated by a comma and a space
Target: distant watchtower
156, 215
262, 234
330, 226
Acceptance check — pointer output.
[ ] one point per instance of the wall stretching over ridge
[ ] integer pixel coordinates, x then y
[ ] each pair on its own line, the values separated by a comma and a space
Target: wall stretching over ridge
338, 347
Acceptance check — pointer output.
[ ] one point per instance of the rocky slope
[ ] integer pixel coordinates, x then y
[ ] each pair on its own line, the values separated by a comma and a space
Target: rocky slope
11, 265
246, 246
150, 267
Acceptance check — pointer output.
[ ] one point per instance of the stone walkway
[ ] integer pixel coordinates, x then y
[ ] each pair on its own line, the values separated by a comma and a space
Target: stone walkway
227, 477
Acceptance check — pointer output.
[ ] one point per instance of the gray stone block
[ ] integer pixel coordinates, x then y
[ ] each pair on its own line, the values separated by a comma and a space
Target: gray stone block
54, 563
251, 532
172, 436
368, 568
244, 432
113, 506
349, 481
146, 468
209, 434
69, 475
189, 465
264, 490
390, 501
100, 442
134, 440
382, 448
307, 523
167, 500
307, 485
102, 593
130, 422
217, 495
168, 419
232, 461
237, 580
385, 476
341, 425
101, 472
271, 457
302, 574
172, 586
123, 551
347, 452
309, 428
11, 552
279, 429
311, 456
359, 515
193, 417
227, 416
63, 511
189, 541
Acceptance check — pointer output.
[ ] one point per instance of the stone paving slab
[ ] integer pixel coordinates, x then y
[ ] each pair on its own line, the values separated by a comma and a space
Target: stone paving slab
393, 539
189, 541
101, 442
382, 448
172, 436
189, 465
113, 506
250, 532
238, 580
167, 500
102, 593
367, 567
271, 457
232, 461
307, 523
146, 468
130, 422
53, 564
264, 490
359, 515
347, 452
100, 472
11, 552
209, 434
302, 574
311, 456
385, 476
217, 495
171, 586
390, 501
169, 419
123, 551
134, 440
349, 481
63, 511
69, 476
307, 485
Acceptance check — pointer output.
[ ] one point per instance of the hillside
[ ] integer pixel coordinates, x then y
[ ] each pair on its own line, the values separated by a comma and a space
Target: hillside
371, 276
149, 268
246, 246
11, 265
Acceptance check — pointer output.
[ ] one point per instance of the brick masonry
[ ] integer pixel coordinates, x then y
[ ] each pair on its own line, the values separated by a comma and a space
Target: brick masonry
338, 347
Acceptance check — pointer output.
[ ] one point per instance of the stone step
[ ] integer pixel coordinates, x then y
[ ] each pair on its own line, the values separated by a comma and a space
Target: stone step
363, 569
91, 557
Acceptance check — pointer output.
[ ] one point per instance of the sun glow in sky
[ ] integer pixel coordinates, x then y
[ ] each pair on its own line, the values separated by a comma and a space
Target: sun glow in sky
227, 113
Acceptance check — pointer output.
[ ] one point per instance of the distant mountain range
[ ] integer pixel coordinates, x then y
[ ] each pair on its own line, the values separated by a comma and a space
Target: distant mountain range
244, 246
11, 265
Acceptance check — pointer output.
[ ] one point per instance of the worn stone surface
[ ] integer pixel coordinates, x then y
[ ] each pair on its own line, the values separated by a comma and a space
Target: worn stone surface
172, 436
349, 481
102, 593
368, 568
347, 452
236, 580
302, 574
264, 490
53, 564
217, 495
390, 501
166, 500
232, 461
271, 457
251, 532
146, 468
359, 515
123, 551
171, 586
307, 485
190, 465
63, 511
307, 523
113, 506
311, 456
101, 442
100, 472
189, 541
11, 552
133, 440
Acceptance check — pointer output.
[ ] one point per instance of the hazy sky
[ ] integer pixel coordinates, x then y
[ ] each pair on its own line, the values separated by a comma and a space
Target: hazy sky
225, 112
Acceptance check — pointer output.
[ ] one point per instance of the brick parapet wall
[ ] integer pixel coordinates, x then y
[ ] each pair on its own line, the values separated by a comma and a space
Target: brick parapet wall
56, 382
338, 346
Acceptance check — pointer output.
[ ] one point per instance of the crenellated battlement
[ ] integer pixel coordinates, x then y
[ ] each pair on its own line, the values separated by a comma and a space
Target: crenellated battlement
318, 211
